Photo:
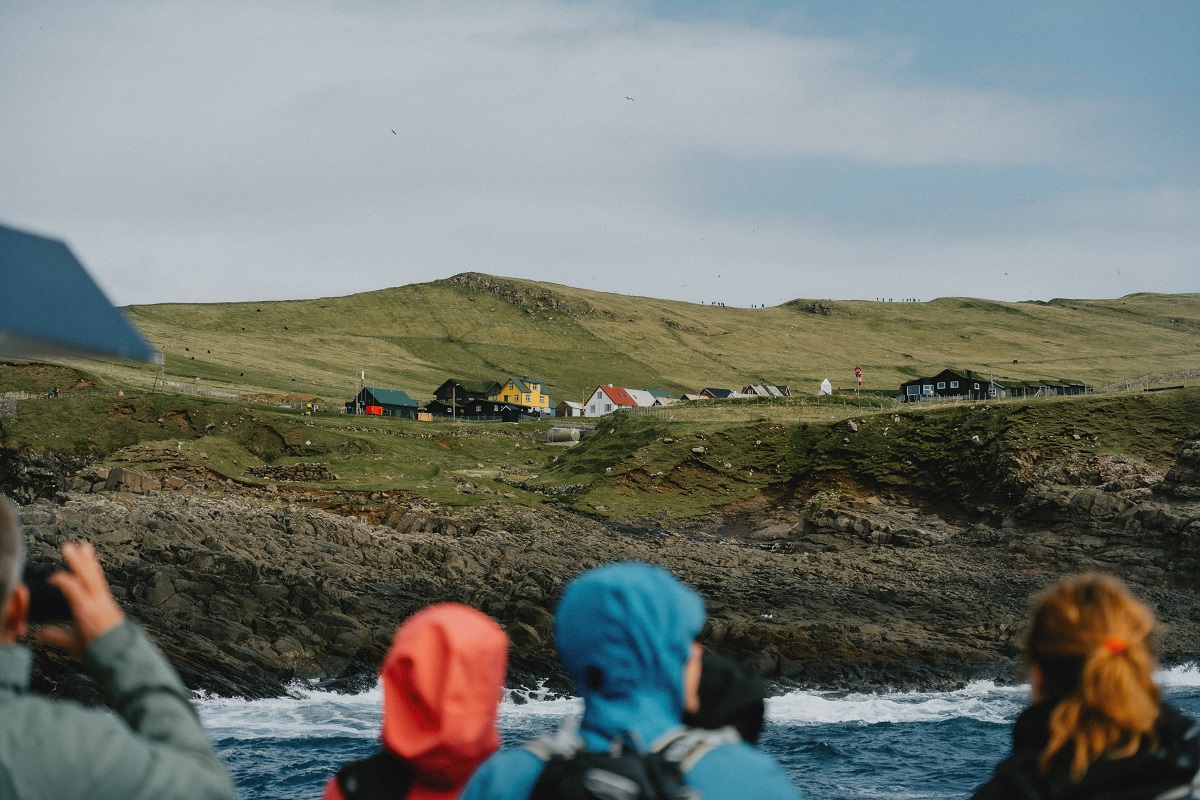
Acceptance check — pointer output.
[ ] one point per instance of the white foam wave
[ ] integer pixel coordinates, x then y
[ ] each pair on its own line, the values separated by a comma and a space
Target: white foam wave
313, 713
1183, 676
306, 712
979, 700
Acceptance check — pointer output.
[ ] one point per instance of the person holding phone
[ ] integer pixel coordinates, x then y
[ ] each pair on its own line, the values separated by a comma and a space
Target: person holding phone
152, 746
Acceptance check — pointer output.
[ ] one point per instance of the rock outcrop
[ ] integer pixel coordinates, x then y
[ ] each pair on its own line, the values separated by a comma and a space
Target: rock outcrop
246, 592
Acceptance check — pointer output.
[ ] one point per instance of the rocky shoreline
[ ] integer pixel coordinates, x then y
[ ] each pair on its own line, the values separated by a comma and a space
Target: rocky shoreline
248, 587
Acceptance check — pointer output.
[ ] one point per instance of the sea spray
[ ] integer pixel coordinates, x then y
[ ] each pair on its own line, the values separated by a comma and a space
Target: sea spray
926, 745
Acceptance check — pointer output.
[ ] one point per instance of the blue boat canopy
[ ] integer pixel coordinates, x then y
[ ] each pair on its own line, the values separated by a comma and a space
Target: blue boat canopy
50, 306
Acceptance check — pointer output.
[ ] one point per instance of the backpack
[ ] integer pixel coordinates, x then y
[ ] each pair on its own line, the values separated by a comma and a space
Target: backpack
383, 775
623, 772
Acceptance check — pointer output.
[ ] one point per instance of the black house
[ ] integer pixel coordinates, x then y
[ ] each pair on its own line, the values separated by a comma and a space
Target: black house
949, 383
475, 410
456, 391
382, 403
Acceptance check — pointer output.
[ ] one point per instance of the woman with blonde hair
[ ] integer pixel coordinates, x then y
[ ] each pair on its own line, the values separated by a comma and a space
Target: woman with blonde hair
1097, 727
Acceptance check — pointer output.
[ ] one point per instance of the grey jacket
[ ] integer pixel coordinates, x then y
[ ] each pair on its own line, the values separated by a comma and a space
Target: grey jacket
60, 750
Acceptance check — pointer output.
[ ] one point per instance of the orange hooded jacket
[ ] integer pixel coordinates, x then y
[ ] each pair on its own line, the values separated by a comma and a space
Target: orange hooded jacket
442, 680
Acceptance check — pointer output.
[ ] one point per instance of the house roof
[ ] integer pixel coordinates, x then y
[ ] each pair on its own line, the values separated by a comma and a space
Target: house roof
390, 397
659, 393
619, 396
766, 390
526, 384
571, 404
642, 397
474, 387
718, 392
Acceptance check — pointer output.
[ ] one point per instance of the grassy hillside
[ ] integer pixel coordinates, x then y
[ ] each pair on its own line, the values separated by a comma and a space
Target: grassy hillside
482, 328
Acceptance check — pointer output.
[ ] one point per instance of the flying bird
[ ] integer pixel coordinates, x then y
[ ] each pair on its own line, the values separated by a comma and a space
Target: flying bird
627, 97
393, 132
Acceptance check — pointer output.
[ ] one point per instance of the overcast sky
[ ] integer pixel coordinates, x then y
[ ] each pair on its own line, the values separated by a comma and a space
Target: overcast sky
746, 152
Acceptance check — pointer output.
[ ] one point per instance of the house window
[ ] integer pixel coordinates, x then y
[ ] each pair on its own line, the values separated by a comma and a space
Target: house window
607, 407
977, 386
953, 384
527, 399
941, 384
592, 408
927, 388
914, 390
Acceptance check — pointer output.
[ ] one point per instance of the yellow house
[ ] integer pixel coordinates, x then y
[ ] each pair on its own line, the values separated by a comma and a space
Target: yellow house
521, 391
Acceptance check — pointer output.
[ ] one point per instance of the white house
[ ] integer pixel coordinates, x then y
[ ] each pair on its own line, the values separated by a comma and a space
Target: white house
607, 399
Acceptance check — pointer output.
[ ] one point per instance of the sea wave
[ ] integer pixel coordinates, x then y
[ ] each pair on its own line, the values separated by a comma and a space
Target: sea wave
1185, 675
313, 712
979, 700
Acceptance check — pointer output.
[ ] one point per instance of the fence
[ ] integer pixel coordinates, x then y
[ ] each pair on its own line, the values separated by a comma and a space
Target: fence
1161, 380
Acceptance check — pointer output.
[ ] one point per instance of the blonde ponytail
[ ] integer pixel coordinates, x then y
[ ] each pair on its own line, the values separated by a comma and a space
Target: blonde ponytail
1090, 639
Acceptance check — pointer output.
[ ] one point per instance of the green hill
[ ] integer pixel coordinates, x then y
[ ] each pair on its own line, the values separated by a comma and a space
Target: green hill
478, 327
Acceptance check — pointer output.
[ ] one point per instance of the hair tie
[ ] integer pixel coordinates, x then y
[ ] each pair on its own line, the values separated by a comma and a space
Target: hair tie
1115, 645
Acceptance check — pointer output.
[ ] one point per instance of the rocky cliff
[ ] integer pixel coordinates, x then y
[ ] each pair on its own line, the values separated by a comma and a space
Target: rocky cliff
247, 588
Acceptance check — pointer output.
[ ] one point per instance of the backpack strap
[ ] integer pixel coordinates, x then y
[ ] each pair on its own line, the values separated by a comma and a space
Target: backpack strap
563, 743
383, 775
686, 746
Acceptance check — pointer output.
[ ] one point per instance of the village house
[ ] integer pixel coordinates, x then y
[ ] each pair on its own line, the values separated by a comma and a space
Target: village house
523, 391
662, 398
382, 403
971, 385
456, 391
766, 390
949, 383
607, 399
642, 397
567, 408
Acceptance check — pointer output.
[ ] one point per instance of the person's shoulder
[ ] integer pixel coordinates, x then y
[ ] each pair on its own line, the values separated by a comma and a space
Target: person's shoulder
738, 770
1014, 778
507, 775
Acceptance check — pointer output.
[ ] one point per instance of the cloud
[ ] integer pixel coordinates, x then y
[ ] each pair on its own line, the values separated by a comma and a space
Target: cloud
220, 150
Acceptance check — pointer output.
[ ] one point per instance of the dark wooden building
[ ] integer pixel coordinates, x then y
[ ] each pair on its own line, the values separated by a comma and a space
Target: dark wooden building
949, 383
383, 403
456, 391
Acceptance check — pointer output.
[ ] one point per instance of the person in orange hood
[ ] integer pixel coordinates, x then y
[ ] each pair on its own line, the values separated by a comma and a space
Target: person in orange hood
442, 681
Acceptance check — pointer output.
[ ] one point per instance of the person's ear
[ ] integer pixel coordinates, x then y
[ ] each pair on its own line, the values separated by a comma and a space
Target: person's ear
12, 620
1036, 679
691, 679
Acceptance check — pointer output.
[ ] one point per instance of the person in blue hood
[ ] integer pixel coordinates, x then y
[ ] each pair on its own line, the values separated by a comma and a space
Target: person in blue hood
626, 633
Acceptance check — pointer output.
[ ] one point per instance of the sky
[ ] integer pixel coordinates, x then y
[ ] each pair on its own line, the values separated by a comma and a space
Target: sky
740, 151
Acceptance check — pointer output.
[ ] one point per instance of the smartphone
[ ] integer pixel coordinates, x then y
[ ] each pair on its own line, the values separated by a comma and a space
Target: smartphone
46, 602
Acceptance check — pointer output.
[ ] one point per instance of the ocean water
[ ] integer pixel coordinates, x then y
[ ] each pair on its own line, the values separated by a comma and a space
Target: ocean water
899, 745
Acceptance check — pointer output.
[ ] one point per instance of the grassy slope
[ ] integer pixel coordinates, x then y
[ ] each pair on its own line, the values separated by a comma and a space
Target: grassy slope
482, 328
958, 454
413, 337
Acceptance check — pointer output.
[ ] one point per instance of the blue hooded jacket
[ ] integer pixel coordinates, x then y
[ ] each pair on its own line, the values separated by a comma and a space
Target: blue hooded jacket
624, 633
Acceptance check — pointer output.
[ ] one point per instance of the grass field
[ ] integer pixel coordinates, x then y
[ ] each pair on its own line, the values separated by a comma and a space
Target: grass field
477, 327
680, 460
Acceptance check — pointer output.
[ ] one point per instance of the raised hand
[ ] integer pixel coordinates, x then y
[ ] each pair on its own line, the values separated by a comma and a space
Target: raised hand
94, 610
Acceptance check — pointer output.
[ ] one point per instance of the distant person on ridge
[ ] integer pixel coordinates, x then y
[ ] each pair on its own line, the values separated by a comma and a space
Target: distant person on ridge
60, 750
626, 633
442, 680
1097, 727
